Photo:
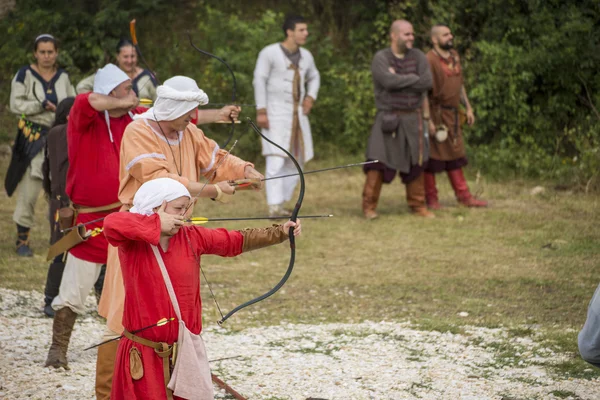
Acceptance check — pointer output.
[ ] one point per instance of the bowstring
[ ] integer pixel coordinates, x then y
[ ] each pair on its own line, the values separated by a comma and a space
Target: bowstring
196, 256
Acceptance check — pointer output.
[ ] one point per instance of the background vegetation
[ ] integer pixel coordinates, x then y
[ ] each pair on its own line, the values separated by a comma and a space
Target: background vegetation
531, 66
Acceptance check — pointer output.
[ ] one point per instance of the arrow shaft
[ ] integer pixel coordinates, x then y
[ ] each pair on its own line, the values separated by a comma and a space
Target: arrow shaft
84, 224
159, 323
255, 218
322, 170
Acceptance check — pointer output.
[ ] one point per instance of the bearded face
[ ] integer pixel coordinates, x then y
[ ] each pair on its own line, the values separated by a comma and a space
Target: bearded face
443, 36
447, 45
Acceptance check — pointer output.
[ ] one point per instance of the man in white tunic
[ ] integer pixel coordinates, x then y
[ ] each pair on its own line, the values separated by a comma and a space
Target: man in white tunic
286, 84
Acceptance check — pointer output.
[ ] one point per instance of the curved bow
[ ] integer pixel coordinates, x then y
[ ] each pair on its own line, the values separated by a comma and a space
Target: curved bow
234, 90
139, 51
292, 239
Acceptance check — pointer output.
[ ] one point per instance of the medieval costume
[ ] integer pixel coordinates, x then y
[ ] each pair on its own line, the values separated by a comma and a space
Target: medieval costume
146, 154
94, 139
398, 137
165, 283
30, 93
144, 85
281, 82
448, 155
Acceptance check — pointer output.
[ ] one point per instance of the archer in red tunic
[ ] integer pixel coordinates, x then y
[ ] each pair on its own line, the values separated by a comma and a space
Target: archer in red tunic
146, 297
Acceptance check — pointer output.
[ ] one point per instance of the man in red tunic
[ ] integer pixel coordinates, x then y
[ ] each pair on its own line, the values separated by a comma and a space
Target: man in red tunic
156, 219
447, 148
96, 124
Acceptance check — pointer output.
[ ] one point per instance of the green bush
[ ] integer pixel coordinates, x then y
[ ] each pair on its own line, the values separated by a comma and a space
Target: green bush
531, 67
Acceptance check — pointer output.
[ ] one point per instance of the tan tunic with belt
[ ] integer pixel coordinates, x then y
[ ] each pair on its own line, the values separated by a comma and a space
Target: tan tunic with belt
145, 155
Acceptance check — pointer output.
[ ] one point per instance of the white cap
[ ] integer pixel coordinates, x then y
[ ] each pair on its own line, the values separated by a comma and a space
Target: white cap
108, 78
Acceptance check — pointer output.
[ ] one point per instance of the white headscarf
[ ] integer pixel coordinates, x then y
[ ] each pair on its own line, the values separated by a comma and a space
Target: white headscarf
105, 81
108, 78
152, 194
177, 96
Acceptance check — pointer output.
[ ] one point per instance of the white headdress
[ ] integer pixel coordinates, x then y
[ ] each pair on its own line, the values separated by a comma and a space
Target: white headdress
152, 194
105, 81
177, 96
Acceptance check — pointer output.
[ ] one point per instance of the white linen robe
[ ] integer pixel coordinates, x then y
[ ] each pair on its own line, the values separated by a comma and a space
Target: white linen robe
273, 90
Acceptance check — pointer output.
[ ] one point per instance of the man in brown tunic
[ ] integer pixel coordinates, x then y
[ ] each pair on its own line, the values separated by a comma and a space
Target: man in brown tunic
447, 149
398, 139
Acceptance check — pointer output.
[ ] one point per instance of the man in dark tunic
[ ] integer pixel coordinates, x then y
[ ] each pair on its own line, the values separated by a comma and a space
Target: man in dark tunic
401, 79
448, 92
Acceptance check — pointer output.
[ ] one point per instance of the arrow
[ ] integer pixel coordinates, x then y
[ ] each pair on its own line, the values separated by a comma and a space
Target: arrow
204, 220
255, 183
160, 322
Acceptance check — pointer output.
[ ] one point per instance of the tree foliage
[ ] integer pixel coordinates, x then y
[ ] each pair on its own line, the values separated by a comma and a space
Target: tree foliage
531, 66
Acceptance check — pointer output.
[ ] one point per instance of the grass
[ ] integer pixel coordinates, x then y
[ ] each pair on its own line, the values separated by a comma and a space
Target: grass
528, 263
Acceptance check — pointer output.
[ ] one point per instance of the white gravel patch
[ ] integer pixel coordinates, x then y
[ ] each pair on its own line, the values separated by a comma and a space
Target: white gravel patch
370, 360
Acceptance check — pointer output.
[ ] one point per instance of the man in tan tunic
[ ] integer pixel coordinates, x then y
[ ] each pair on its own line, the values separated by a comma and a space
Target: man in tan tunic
162, 143
447, 148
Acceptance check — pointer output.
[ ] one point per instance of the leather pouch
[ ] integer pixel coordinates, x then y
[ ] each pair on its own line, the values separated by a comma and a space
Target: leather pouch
390, 122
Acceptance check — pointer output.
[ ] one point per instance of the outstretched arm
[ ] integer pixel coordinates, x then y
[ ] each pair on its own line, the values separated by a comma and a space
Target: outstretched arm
263, 237
232, 243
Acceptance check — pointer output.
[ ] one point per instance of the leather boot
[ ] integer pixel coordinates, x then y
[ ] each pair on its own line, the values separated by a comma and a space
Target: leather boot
415, 197
371, 193
23, 249
64, 320
55, 272
461, 189
431, 193
105, 366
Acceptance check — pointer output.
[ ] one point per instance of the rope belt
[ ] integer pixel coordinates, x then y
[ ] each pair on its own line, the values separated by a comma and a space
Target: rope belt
163, 350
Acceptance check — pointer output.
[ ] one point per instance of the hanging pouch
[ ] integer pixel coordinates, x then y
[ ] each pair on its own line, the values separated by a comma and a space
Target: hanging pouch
136, 368
390, 122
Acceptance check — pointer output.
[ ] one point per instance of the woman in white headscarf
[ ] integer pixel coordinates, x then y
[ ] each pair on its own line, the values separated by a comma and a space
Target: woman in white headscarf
160, 260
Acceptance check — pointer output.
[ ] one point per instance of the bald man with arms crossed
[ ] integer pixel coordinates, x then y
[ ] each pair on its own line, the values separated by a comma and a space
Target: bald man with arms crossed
398, 139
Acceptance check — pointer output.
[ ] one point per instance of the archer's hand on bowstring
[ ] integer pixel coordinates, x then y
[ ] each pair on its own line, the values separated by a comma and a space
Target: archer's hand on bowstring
169, 223
297, 227
130, 101
226, 188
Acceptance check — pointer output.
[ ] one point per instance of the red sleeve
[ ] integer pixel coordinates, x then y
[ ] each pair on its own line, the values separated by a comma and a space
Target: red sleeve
220, 242
122, 227
82, 114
